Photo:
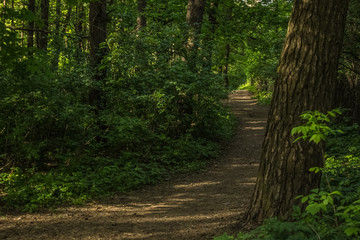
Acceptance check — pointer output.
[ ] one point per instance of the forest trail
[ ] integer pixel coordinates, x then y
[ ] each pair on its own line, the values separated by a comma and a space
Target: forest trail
190, 207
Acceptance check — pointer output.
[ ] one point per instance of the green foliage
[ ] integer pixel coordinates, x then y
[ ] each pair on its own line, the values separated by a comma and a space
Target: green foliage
161, 117
316, 128
160, 120
30, 189
258, 50
274, 229
263, 97
348, 92
318, 201
225, 236
333, 210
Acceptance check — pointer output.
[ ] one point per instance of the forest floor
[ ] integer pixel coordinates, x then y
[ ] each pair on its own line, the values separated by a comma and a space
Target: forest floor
195, 206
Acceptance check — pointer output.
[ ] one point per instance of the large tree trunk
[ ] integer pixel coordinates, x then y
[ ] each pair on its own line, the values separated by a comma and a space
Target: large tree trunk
194, 18
306, 81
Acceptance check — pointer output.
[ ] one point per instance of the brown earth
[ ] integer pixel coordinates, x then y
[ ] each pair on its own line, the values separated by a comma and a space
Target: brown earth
189, 207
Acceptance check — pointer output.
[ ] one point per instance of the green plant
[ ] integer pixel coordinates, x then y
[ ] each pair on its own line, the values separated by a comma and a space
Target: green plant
316, 126
274, 229
331, 211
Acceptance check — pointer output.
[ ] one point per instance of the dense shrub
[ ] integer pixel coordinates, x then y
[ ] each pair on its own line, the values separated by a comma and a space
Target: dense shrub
160, 118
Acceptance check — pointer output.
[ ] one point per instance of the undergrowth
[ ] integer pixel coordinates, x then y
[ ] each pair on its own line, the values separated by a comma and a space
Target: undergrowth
55, 149
89, 178
332, 212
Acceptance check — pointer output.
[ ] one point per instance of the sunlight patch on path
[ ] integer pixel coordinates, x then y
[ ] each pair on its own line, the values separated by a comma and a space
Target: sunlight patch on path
196, 185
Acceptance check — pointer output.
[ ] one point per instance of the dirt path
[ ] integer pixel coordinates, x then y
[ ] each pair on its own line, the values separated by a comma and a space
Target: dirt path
193, 207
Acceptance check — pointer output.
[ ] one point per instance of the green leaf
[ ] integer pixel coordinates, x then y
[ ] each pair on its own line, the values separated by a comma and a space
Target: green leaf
315, 190
316, 138
352, 231
304, 199
224, 237
295, 130
332, 114
337, 110
315, 169
337, 193
300, 196
313, 208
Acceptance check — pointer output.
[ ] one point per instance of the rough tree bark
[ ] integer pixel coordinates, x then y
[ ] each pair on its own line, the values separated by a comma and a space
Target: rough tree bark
306, 81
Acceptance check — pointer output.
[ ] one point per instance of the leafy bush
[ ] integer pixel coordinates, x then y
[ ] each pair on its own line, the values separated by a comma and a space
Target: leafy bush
160, 116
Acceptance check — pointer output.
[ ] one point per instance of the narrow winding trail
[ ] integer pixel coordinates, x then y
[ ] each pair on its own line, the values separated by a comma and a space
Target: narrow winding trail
192, 207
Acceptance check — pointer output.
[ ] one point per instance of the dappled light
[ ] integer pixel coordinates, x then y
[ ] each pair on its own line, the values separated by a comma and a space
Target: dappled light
195, 185
179, 120
193, 207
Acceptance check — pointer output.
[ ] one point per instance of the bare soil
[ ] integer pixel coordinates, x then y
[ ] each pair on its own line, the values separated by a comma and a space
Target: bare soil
189, 207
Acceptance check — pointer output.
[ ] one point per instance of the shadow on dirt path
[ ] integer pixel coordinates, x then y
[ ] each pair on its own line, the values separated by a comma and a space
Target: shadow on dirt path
193, 207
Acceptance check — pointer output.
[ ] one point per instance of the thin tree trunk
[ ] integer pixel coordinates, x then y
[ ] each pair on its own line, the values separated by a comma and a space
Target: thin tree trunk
30, 36
208, 42
13, 8
79, 30
58, 37
356, 114
307, 76
66, 24
67, 19
3, 13
80, 11
194, 18
43, 36
141, 19
98, 20
226, 67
